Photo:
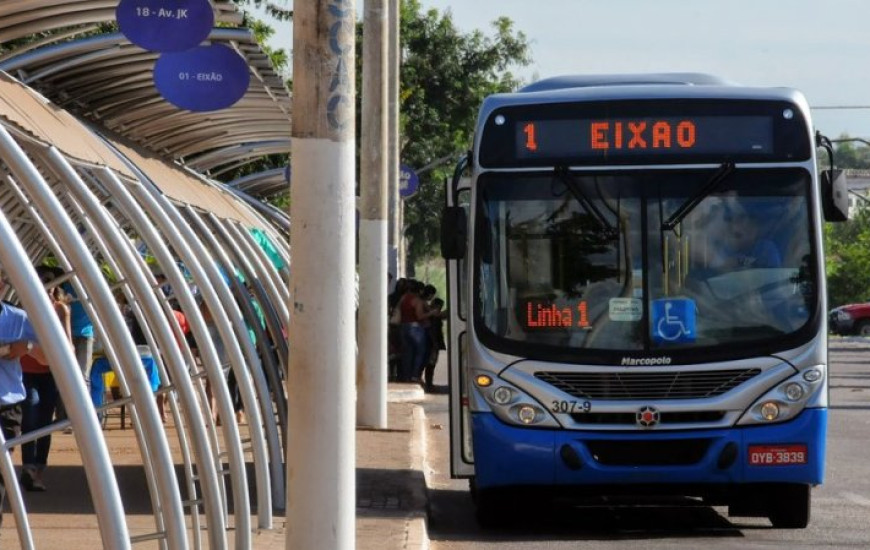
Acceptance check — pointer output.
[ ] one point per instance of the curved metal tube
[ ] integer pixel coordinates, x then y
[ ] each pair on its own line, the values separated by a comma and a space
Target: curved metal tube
95, 456
217, 296
275, 447
143, 292
135, 211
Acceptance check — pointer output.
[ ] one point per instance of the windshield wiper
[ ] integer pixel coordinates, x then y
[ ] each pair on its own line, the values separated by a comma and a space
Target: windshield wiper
725, 169
564, 175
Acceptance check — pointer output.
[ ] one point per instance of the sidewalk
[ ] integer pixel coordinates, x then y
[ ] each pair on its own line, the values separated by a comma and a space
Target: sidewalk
390, 484
391, 488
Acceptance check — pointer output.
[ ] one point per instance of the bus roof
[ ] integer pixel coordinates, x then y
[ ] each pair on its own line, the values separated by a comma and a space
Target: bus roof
585, 81
655, 86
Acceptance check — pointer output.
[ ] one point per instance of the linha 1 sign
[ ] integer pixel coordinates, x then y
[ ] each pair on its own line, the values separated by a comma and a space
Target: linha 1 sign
165, 25
205, 78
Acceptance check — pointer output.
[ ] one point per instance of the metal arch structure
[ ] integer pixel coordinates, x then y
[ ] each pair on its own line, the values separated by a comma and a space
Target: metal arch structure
223, 160
262, 184
106, 80
228, 319
24, 18
84, 204
277, 217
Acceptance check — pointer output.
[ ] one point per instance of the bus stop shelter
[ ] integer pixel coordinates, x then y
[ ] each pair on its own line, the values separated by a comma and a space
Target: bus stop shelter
103, 179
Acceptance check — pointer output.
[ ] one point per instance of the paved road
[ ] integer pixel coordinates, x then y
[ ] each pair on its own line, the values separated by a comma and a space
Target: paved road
841, 507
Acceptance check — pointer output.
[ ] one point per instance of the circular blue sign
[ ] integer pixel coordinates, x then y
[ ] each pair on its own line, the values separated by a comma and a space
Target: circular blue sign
408, 181
165, 25
206, 78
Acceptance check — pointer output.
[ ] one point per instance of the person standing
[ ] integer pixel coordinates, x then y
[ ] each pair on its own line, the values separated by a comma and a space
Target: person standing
415, 342
436, 341
41, 395
83, 342
17, 338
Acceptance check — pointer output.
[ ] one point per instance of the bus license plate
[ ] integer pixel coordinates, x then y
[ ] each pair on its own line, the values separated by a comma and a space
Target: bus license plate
777, 455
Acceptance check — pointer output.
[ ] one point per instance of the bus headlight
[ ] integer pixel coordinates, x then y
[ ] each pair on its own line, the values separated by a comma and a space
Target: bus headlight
785, 400
527, 414
503, 395
770, 411
511, 404
812, 375
794, 391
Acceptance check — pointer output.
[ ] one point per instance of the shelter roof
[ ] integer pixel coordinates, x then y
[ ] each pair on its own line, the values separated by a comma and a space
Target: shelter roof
105, 79
27, 111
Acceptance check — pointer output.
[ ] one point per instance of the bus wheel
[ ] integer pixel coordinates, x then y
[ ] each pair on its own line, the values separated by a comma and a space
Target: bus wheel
792, 509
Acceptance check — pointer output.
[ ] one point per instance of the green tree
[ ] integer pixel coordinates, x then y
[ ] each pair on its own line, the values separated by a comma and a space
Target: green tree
847, 245
281, 62
848, 259
445, 75
851, 153
279, 10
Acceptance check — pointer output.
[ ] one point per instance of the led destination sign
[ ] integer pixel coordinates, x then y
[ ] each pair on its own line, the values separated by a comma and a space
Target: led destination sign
543, 315
669, 131
603, 137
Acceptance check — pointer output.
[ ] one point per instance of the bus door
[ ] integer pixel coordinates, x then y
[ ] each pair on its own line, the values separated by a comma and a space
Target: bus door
454, 233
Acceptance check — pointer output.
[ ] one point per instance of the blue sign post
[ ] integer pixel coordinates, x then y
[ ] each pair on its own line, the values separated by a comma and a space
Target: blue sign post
165, 25
205, 78
408, 181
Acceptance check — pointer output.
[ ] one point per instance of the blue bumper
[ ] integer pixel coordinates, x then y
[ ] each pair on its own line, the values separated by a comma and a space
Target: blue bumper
510, 456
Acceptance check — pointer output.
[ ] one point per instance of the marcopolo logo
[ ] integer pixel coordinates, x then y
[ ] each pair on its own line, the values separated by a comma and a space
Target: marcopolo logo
645, 361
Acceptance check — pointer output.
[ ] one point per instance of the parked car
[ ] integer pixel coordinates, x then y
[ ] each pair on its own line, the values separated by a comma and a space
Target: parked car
850, 319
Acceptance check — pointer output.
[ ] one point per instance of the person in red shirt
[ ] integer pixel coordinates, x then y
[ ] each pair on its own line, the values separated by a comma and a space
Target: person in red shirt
41, 394
415, 339
181, 318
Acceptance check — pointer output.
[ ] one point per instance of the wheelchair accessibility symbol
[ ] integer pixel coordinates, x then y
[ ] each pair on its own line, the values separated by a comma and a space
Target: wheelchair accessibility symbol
673, 320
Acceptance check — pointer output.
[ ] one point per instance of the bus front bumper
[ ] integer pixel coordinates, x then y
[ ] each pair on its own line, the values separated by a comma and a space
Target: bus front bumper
512, 456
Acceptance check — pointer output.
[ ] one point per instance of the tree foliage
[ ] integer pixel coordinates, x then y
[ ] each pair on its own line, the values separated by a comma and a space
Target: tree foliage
848, 244
281, 62
851, 153
279, 10
445, 74
848, 259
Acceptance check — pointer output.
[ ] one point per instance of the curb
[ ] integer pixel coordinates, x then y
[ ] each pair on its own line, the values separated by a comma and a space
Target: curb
403, 393
416, 534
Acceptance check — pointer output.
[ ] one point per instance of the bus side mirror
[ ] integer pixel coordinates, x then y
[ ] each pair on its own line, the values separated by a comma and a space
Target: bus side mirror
454, 233
835, 196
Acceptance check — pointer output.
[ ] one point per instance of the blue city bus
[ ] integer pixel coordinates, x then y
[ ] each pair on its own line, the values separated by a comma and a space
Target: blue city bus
637, 296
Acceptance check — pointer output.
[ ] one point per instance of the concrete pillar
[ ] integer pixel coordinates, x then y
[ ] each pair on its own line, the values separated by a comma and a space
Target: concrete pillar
372, 319
393, 85
321, 483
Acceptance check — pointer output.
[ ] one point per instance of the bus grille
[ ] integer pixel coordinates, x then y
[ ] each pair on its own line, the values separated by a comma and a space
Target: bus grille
679, 452
647, 385
630, 418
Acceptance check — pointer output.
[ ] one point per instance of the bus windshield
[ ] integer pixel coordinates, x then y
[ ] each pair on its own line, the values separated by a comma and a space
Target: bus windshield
644, 261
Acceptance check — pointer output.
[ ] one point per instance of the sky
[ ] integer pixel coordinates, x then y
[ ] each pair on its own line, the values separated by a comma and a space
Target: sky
820, 48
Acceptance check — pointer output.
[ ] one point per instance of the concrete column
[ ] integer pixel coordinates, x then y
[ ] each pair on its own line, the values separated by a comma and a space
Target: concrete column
321, 380
372, 329
393, 85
